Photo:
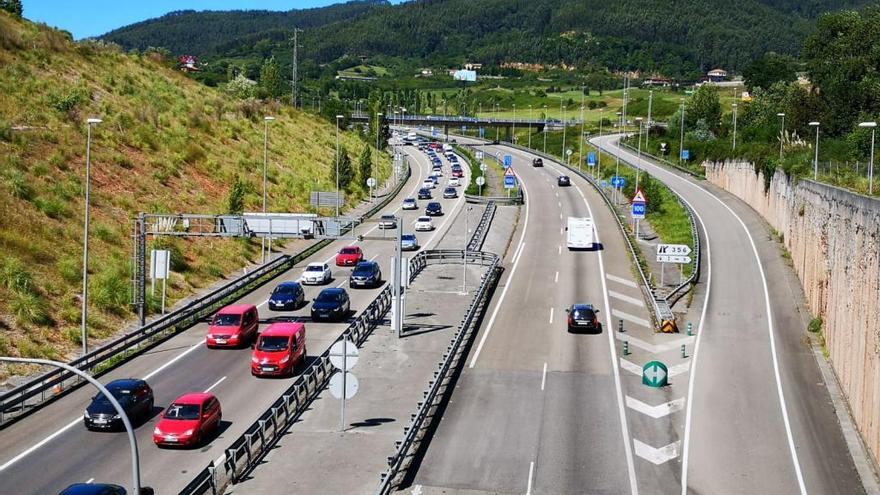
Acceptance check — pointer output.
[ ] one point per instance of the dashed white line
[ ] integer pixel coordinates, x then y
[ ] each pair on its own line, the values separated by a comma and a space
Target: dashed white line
218, 382
531, 472
551, 315
556, 278
169, 363
559, 251
544, 376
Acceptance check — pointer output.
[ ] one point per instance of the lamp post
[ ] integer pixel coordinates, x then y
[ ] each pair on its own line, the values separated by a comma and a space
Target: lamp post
617, 166
496, 123
599, 151
781, 132
564, 128
85, 291
545, 129
530, 127
378, 124
816, 155
266, 121
513, 130
639, 159
735, 106
873, 127
581, 140
338, 117
681, 139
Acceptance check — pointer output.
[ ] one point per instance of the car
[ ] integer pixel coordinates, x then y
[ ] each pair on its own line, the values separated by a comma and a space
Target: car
233, 326
428, 183
424, 193
436, 173
450, 193
331, 304
287, 296
387, 222
458, 174
435, 180
365, 274
100, 489
537, 162
563, 181
349, 256
454, 182
408, 242
280, 350
424, 224
582, 317
135, 397
189, 420
433, 209
410, 204
316, 273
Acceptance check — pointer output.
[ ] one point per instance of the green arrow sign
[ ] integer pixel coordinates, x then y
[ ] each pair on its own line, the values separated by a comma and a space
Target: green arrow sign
655, 374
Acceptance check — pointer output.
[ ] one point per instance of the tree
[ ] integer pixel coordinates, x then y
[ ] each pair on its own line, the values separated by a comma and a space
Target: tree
704, 105
270, 79
235, 202
242, 87
14, 7
365, 164
346, 171
771, 68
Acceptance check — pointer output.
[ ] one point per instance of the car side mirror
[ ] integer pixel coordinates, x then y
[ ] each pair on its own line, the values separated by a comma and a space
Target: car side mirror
595, 311
567, 310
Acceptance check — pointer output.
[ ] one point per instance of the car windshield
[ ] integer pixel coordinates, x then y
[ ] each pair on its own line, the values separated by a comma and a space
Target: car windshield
314, 268
122, 395
226, 320
408, 237
329, 297
182, 411
273, 343
349, 251
286, 290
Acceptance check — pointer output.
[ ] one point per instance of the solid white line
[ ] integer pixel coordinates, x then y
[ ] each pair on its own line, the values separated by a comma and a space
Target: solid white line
544, 376
630, 463
531, 471
551, 315
621, 280
630, 318
509, 283
556, 278
623, 297
218, 382
559, 251
560, 205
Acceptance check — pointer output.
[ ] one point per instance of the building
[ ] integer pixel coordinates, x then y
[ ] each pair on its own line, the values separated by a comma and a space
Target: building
426, 72
473, 66
188, 63
717, 75
657, 81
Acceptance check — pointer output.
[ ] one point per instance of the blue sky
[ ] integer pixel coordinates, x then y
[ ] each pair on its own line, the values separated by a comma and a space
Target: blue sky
86, 18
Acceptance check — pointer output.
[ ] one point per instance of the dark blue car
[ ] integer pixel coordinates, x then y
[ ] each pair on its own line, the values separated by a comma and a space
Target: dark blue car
287, 296
331, 304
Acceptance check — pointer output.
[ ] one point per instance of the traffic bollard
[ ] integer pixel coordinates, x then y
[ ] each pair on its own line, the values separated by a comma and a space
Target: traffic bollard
683, 351
690, 328
620, 326
626, 348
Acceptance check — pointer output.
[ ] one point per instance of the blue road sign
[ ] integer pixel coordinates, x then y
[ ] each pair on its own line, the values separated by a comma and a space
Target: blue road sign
508, 161
604, 183
638, 210
509, 182
591, 159
482, 131
685, 154
435, 132
618, 181
463, 128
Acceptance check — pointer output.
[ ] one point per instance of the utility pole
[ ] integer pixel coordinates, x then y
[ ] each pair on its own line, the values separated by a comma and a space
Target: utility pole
294, 96
649, 123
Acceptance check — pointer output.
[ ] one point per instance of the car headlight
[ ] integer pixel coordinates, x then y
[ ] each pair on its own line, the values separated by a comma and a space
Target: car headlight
115, 416
286, 359
254, 359
157, 431
86, 414
188, 432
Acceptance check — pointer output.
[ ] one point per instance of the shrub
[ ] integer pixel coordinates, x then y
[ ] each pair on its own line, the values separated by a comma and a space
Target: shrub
105, 233
5, 131
70, 269
110, 290
16, 277
52, 207
29, 308
18, 185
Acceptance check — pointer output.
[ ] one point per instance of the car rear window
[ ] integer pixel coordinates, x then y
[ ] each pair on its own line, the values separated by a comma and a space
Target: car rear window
583, 314
226, 320
182, 411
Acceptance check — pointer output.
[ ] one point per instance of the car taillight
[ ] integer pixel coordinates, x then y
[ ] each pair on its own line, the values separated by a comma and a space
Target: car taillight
596, 321
570, 320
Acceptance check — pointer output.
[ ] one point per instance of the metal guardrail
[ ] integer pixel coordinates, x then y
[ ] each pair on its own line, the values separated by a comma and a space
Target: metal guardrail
248, 449
660, 160
39, 391
437, 388
479, 236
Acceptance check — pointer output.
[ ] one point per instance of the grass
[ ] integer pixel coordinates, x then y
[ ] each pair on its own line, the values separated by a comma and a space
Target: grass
166, 144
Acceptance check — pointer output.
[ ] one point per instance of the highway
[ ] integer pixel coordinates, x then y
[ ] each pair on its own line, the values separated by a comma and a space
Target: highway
758, 415
50, 449
537, 409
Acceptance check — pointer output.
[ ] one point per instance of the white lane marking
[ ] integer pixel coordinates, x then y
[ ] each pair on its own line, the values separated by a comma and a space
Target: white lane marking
561, 230
556, 278
544, 376
632, 300
176, 358
631, 367
657, 456
531, 471
560, 205
630, 463
630, 318
657, 411
218, 382
621, 280
509, 283
559, 251
654, 348
417, 490
263, 303
672, 371
560, 216
782, 405
89, 482
551, 315
518, 253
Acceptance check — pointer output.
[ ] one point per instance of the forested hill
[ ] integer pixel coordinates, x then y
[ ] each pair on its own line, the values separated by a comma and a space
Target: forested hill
673, 37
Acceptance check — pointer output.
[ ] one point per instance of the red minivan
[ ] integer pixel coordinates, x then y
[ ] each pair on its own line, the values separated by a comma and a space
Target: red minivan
279, 350
233, 326
188, 420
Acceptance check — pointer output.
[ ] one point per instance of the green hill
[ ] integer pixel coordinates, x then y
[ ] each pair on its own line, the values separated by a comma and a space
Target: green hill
167, 144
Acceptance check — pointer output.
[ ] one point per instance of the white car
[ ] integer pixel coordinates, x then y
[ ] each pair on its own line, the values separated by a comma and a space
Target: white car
424, 224
428, 183
410, 204
388, 222
316, 273
436, 173
454, 182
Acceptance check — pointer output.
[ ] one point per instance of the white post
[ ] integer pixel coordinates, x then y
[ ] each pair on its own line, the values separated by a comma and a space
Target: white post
662, 274
164, 285
734, 125
344, 367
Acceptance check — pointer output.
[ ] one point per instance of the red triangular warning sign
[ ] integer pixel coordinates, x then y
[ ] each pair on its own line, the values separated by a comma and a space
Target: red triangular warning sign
509, 172
639, 197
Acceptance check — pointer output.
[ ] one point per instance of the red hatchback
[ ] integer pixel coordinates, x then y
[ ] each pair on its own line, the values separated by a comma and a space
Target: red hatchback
233, 326
188, 420
279, 350
349, 256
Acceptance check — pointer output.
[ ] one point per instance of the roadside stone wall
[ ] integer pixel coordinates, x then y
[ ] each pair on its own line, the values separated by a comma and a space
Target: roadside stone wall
833, 236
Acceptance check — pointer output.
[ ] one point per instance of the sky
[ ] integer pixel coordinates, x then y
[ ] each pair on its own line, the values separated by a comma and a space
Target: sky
85, 18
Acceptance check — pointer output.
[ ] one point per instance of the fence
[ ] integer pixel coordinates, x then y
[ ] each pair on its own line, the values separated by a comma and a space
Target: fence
32, 395
479, 236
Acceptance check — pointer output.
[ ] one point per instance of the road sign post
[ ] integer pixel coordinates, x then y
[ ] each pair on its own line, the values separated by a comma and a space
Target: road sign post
480, 182
655, 374
508, 161
343, 385
639, 208
371, 183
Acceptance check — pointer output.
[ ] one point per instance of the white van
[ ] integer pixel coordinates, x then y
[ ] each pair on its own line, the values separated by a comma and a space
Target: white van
579, 233
447, 147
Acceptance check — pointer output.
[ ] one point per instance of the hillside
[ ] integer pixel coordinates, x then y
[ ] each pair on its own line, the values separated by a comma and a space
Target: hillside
676, 38
167, 144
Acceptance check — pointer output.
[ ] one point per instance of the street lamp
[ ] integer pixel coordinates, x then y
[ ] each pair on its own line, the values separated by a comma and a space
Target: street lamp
513, 131
564, 128
735, 106
639, 159
781, 132
545, 128
378, 123
85, 294
681, 139
581, 140
617, 166
338, 117
873, 127
266, 121
816, 156
530, 126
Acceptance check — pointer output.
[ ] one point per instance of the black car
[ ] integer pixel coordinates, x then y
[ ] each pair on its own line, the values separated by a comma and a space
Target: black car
135, 397
424, 193
537, 162
331, 304
563, 181
98, 489
365, 274
287, 296
433, 209
582, 318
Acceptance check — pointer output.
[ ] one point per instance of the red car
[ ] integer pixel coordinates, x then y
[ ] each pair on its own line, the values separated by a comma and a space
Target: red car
349, 256
188, 420
279, 350
233, 326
